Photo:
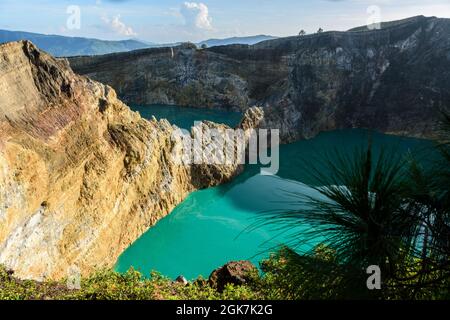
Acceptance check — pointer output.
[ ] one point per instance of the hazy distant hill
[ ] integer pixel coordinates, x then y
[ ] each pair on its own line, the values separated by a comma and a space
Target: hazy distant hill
236, 40
72, 46
61, 46
251, 40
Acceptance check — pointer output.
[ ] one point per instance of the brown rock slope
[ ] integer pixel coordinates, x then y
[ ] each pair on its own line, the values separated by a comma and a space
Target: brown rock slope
81, 176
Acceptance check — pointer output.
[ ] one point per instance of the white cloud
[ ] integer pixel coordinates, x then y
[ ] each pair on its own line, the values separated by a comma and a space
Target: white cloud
116, 25
196, 15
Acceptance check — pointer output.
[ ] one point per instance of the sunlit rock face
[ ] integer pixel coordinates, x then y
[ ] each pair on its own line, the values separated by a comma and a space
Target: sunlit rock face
394, 80
81, 176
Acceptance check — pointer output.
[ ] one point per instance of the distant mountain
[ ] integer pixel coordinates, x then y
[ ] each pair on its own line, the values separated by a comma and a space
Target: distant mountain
60, 46
236, 40
251, 40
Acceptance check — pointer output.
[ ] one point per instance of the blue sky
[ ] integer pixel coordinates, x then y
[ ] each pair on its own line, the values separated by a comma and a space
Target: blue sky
165, 21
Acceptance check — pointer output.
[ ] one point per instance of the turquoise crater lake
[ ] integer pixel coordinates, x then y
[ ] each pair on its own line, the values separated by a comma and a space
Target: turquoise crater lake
211, 227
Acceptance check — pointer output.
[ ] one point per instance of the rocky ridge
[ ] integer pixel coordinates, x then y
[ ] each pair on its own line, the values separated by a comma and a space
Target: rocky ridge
394, 80
81, 175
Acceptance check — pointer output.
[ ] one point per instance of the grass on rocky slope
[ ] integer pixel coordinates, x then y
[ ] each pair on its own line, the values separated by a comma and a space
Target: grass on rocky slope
282, 278
110, 285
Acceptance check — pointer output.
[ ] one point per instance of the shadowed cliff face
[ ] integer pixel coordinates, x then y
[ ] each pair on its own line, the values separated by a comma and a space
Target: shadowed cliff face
81, 176
187, 76
394, 80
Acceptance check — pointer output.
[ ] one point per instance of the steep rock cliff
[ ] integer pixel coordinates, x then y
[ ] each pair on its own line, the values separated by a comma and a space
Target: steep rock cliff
81, 176
394, 80
186, 76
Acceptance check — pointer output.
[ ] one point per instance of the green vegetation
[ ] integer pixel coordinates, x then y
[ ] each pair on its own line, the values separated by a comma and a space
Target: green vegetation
110, 285
383, 211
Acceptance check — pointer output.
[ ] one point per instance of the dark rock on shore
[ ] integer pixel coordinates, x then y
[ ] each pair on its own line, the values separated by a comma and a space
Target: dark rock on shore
181, 279
235, 272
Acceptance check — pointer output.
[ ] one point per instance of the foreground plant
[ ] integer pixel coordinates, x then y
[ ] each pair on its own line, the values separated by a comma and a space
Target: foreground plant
371, 210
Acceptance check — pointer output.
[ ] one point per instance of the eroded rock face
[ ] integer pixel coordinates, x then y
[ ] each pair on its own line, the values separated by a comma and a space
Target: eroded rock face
81, 176
232, 78
393, 80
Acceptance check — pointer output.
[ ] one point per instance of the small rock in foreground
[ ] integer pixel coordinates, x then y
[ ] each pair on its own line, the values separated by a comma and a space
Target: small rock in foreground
235, 272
